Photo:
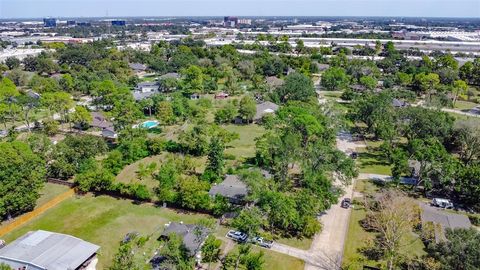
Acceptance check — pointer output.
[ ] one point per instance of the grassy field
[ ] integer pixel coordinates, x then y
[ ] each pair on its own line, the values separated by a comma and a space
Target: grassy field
104, 221
244, 147
50, 191
371, 160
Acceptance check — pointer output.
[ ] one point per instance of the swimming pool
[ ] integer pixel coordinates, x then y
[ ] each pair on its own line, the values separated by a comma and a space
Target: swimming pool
149, 124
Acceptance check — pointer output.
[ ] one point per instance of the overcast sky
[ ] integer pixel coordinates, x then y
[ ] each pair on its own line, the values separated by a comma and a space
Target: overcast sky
98, 8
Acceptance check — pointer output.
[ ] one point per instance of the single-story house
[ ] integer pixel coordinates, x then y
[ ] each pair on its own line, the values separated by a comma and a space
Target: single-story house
100, 122
274, 82
265, 108
443, 219
33, 94
398, 103
193, 235
232, 188
171, 75
43, 250
221, 95
147, 87
138, 67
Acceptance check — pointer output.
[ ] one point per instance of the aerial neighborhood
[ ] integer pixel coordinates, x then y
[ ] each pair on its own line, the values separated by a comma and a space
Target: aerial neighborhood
246, 143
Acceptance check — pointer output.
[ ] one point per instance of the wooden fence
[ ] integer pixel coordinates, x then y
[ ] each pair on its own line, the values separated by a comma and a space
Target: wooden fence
19, 221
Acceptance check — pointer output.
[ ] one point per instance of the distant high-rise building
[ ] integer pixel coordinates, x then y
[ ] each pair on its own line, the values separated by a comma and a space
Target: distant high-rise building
71, 23
50, 22
245, 21
230, 21
118, 23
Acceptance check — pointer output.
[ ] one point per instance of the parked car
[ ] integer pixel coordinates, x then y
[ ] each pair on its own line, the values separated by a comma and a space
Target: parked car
442, 203
237, 236
346, 203
262, 242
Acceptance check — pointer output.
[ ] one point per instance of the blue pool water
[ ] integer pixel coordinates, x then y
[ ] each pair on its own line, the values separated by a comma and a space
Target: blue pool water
149, 124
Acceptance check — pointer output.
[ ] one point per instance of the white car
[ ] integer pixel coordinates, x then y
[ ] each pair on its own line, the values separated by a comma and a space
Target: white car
262, 242
237, 236
443, 203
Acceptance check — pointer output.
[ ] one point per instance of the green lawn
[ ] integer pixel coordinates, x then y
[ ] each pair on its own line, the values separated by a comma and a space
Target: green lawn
303, 243
244, 147
104, 221
277, 261
371, 160
465, 105
50, 191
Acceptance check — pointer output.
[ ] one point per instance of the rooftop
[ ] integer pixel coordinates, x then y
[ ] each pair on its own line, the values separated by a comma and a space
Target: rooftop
47, 250
193, 235
231, 187
265, 108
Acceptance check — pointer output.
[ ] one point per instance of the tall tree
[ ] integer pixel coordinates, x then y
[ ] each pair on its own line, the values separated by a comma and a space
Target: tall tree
248, 108
22, 174
393, 216
211, 250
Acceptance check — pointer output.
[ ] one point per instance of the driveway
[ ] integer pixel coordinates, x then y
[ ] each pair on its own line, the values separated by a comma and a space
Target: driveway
327, 247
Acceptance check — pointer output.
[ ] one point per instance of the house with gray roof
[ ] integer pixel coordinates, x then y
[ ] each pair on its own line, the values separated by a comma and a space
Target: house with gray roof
398, 103
105, 126
232, 188
193, 236
43, 250
274, 82
145, 90
265, 108
444, 219
138, 67
170, 75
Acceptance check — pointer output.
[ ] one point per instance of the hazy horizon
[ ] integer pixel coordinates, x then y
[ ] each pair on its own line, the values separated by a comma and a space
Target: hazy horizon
181, 8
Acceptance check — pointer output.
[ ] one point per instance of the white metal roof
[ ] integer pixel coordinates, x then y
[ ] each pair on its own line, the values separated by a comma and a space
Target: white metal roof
47, 250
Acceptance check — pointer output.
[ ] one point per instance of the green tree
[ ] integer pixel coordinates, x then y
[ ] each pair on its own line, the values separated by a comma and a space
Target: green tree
193, 193
12, 62
248, 108
459, 88
124, 258
368, 82
254, 261
192, 80
226, 114
211, 250
165, 112
460, 251
215, 160
167, 178
22, 174
334, 78
81, 116
249, 221
296, 87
